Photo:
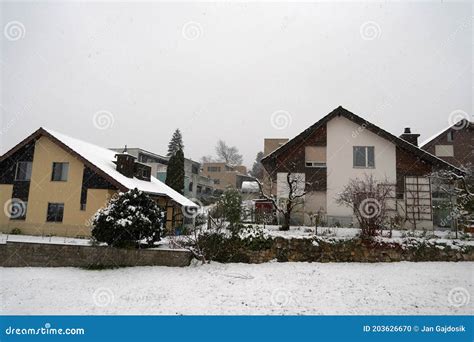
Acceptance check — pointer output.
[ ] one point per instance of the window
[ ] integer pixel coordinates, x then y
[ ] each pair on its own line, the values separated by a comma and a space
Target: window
315, 156
214, 169
444, 150
55, 212
18, 209
23, 171
161, 176
143, 172
190, 188
60, 171
195, 169
363, 156
450, 136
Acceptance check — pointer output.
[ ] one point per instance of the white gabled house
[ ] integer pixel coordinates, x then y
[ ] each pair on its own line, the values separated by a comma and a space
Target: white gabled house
343, 146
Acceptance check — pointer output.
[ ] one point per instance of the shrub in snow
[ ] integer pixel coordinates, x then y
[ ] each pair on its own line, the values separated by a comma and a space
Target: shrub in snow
128, 219
367, 197
229, 208
255, 238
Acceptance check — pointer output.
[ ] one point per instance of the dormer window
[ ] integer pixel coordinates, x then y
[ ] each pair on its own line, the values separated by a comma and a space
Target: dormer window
142, 171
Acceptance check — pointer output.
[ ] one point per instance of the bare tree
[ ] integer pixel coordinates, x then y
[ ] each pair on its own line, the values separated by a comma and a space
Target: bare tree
228, 154
368, 199
296, 188
207, 159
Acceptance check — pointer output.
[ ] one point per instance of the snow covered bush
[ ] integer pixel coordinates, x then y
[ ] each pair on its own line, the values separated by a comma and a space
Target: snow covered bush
129, 219
255, 238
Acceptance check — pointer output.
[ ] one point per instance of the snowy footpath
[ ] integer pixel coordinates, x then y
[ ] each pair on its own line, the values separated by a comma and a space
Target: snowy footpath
434, 288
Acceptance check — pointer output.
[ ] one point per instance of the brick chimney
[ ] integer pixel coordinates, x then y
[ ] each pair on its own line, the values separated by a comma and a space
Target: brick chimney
412, 138
125, 163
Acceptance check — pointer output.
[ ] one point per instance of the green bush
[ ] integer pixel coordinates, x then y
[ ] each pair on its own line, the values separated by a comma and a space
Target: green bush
16, 231
229, 208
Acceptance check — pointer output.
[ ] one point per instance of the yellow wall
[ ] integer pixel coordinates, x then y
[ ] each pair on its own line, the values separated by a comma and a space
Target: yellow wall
227, 177
76, 222
5, 197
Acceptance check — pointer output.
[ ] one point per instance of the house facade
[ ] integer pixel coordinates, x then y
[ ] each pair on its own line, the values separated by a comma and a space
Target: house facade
343, 146
454, 144
196, 184
52, 184
226, 176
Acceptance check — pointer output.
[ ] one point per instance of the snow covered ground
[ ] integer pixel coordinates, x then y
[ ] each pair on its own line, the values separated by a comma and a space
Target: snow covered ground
274, 288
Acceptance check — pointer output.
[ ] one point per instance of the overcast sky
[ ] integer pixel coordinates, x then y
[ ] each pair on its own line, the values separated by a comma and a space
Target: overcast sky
127, 73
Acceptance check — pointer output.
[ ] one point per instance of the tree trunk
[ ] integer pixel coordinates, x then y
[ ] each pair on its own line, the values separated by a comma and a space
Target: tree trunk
287, 217
286, 222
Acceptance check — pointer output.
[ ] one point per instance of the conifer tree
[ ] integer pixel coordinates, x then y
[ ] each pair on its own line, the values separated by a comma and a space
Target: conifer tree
175, 172
176, 143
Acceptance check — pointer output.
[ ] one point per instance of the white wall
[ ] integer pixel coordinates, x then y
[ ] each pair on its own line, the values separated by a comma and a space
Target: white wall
342, 135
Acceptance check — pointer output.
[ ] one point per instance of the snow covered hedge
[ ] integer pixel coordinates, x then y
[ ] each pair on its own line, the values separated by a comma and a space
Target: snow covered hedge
129, 219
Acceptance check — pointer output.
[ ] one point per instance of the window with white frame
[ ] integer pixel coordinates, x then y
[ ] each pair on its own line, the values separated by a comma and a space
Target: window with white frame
364, 157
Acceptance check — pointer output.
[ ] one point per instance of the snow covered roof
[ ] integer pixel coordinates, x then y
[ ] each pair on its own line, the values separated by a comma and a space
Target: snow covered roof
250, 186
103, 160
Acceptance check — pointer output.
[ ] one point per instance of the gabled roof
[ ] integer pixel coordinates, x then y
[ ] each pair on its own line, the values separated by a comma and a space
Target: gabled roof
101, 161
340, 111
460, 123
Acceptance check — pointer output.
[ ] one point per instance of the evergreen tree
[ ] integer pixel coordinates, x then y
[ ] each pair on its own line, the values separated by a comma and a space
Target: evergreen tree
175, 172
128, 219
229, 206
257, 168
176, 143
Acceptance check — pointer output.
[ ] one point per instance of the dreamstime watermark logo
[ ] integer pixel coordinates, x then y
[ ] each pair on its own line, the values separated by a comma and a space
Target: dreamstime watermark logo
192, 30
192, 212
103, 296
103, 120
459, 119
458, 297
358, 131
14, 208
14, 30
369, 208
370, 30
281, 119
280, 297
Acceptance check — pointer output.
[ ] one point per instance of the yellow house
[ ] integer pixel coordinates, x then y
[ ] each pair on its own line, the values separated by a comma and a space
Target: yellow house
52, 184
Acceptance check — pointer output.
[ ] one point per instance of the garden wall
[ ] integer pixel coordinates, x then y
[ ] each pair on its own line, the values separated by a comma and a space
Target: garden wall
353, 250
22, 254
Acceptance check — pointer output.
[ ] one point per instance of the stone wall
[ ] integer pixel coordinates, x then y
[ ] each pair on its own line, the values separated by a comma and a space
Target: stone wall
21, 254
354, 250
